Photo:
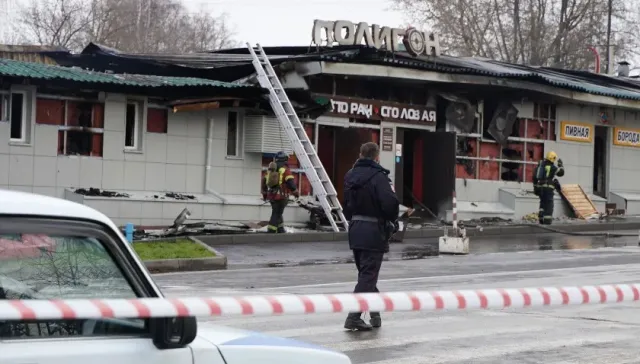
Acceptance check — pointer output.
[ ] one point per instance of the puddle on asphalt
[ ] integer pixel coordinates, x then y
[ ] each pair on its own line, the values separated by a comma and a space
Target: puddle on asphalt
549, 242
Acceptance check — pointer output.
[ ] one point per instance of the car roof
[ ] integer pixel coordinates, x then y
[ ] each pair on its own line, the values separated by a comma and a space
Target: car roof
22, 203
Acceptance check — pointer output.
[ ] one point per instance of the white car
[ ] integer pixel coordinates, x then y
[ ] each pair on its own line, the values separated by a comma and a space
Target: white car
56, 249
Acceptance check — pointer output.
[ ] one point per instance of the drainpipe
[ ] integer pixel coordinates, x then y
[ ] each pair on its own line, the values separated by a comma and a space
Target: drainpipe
207, 170
595, 52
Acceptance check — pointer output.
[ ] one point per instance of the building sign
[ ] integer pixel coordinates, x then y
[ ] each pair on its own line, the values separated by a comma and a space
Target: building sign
626, 137
576, 132
380, 110
344, 32
387, 139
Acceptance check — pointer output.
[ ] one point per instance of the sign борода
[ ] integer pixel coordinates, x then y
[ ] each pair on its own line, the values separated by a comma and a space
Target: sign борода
380, 110
344, 32
626, 137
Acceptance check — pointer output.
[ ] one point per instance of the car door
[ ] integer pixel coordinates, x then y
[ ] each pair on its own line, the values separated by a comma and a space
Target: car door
45, 259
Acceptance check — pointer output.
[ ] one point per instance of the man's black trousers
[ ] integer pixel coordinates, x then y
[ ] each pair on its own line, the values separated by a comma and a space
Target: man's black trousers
545, 214
368, 264
276, 222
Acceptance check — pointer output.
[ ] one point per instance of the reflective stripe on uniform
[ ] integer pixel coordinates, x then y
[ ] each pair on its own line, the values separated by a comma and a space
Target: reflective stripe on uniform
271, 227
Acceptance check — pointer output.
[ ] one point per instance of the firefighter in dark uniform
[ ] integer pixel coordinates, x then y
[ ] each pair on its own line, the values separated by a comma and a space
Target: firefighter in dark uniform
544, 185
372, 208
277, 184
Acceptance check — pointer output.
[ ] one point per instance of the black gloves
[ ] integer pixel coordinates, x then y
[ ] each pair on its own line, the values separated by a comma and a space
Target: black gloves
560, 164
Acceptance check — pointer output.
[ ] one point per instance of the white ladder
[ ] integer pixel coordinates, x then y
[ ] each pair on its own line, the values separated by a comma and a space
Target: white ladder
305, 152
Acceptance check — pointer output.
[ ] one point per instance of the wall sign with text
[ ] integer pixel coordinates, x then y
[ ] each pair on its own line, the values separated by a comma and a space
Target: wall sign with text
576, 132
626, 137
379, 110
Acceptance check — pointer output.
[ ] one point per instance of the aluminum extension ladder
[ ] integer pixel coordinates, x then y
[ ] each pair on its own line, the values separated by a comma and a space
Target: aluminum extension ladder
323, 189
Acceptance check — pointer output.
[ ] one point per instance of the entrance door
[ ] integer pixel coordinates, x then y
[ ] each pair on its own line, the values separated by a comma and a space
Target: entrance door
348, 142
600, 152
426, 170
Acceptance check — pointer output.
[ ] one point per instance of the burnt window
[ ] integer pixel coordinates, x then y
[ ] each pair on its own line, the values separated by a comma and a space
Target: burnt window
80, 130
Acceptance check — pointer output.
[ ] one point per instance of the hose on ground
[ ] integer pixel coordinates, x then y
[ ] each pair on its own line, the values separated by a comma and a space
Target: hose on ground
558, 231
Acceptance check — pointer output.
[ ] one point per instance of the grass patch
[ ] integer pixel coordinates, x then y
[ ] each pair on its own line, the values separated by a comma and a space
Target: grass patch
171, 249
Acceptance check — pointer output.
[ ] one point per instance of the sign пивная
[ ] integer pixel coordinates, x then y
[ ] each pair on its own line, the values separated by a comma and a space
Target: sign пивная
576, 131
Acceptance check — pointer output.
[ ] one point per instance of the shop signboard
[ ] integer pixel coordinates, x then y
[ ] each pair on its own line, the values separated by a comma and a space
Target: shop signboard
344, 32
379, 110
626, 137
387, 139
576, 132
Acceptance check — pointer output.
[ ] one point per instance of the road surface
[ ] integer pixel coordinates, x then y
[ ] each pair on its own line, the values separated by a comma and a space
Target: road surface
577, 334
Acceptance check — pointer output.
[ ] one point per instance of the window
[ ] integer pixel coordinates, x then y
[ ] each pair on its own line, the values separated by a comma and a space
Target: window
233, 134
80, 124
479, 156
13, 109
157, 119
62, 266
132, 122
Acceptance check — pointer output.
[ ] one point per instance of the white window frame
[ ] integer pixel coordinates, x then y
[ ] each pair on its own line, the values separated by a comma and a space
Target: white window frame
239, 135
136, 126
24, 122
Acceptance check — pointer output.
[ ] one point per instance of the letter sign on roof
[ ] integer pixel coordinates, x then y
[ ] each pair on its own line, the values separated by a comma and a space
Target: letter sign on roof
344, 32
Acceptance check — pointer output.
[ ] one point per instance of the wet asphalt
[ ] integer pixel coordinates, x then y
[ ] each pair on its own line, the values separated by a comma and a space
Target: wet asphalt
578, 334
242, 256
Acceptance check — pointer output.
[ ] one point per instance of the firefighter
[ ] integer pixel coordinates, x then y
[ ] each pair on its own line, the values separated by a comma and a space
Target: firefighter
544, 185
372, 209
278, 183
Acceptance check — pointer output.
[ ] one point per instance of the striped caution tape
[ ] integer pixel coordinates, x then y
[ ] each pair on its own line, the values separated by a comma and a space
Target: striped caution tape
319, 303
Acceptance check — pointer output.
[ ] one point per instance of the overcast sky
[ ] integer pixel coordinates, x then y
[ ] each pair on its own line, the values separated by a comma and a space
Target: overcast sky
289, 22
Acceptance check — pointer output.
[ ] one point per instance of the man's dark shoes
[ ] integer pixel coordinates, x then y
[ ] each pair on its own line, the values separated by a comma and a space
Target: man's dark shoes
376, 320
356, 324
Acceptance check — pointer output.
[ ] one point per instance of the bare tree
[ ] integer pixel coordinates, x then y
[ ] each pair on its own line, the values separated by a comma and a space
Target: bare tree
55, 22
539, 32
137, 26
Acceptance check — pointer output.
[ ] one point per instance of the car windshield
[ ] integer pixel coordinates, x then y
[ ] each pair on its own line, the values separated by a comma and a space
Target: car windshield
62, 266
52, 267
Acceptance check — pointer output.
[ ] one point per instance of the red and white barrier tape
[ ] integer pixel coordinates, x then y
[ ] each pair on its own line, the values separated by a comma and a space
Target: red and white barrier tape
310, 304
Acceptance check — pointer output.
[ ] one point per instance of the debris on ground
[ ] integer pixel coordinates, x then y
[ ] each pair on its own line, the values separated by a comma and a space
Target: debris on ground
175, 196
96, 192
179, 196
317, 218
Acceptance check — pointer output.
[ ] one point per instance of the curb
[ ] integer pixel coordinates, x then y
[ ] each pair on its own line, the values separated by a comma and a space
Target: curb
219, 262
253, 238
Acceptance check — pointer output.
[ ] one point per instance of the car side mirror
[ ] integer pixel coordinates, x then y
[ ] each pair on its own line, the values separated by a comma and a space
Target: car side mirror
173, 332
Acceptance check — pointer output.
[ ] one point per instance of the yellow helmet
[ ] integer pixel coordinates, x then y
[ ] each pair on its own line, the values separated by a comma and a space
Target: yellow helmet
552, 156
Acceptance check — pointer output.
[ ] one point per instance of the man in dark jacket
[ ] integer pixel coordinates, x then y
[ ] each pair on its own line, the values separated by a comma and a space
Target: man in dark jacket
372, 208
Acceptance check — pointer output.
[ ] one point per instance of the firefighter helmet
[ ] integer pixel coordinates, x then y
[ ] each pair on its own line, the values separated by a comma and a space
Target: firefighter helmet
552, 156
282, 157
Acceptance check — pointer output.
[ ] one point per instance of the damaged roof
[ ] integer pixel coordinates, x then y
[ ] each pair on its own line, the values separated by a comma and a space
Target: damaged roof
13, 68
233, 64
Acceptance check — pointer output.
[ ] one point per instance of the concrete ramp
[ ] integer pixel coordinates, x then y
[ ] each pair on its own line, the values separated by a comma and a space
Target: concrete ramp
579, 201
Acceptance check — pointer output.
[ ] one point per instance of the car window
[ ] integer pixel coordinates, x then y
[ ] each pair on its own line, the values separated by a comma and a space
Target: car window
36, 266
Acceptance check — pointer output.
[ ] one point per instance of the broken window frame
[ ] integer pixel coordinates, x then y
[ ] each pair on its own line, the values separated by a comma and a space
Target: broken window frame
551, 112
65, 128
7, 113
136, 125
